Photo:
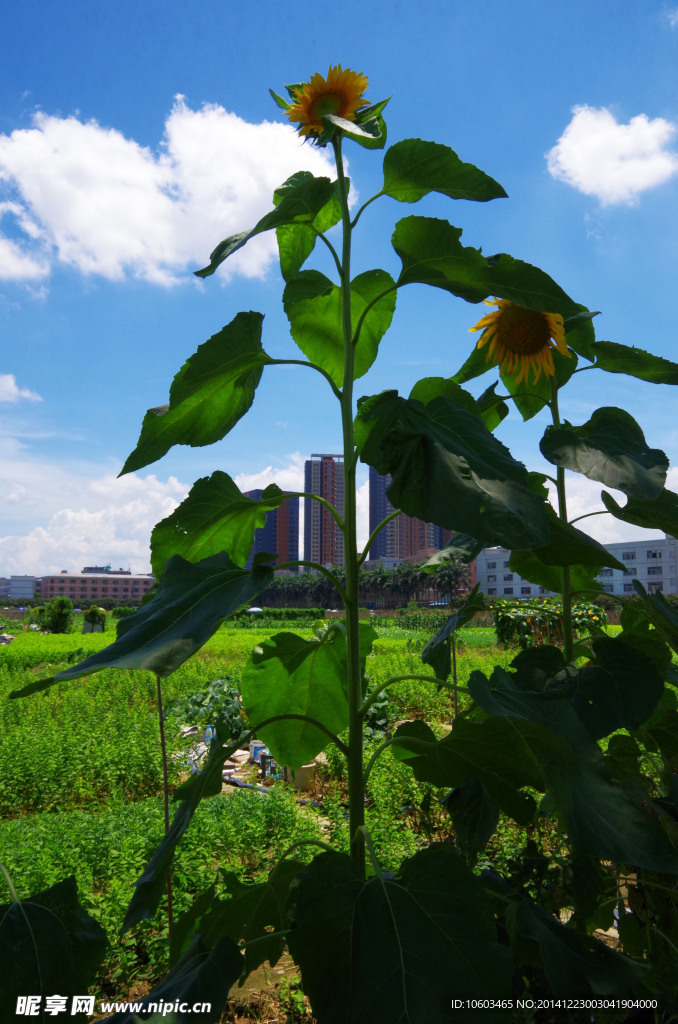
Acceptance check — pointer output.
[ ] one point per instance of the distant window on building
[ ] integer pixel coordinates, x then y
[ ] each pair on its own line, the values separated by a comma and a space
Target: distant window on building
492, 578
605, 572
506, 565
526, 590
542, 590
631, 571
654, 570
508, 576
508, 590
491, 565
654, 554
491, 590
608, 588
628, 556
652, 587
628, 588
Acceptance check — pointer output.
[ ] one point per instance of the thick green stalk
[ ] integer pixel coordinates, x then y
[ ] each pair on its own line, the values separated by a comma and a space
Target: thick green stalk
356, 796
568, 639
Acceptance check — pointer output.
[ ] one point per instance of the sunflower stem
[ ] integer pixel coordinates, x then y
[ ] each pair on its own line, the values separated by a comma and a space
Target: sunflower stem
356, 790
568, 637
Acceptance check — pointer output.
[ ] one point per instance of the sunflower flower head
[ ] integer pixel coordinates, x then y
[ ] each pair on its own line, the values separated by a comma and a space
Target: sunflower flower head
340, 93
520, 339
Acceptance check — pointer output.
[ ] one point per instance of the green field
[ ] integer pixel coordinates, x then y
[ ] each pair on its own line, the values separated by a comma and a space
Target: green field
81, 781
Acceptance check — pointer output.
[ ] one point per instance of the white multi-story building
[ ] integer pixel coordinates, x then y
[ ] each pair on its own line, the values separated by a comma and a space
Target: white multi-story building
653, 562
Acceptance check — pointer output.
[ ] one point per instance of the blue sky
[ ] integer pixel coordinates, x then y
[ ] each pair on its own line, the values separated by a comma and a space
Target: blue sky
134, 136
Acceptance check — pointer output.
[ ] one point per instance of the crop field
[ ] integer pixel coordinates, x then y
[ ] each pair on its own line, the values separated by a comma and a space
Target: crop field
81, 781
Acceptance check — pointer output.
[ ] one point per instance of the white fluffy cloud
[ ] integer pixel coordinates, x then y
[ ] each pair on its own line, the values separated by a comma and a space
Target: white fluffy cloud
583, 496
85, 195
611, 161
112, 521
11, 392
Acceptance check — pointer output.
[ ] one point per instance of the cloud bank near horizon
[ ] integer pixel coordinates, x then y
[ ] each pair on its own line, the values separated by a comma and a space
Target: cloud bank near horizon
81, 194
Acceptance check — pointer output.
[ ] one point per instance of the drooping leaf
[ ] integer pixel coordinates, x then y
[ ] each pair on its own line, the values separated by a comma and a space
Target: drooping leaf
572, 961
302, 202
436, 653
607, 694
255, 913
460, 545
492, 409
616, 358
431, 253
474, 815
151, 885
210, 393
314, 309
48, 944
530, 566
190, 603
492, 752
367, 133
289, 675
660, 613
610, 448
296, 241
439, 450
607, 820
580, 334
413, 168
395, 949
659, 514
567, 546
214, 517
203, 976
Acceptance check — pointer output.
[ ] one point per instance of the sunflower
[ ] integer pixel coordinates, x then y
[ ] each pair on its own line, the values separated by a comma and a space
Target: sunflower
340, 93
520, 338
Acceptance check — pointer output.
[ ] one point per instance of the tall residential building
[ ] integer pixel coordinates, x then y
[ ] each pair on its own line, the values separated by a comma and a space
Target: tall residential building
323, 540
405, 536
280, 534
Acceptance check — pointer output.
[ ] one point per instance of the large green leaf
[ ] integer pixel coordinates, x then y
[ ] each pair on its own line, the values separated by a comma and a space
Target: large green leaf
567, 546
289, 675
214, 517
296, 241
474, 815
210, 393
255, 913
610, 448
151, 885
48, 944
607, 820
660, 514
413, 168
530, 566
491, 752
602, 818
572, 962
313, 306
396, 949
616, 358
460, 545
304, 198
660, 613
607, 695
202, 976
190, 603
437, 653
440, 450
431, 253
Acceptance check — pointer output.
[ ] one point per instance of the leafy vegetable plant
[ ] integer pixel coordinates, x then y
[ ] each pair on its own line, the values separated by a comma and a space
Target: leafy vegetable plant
593, 749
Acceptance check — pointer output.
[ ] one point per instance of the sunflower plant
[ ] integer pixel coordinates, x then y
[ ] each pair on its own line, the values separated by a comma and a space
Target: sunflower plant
585, 753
